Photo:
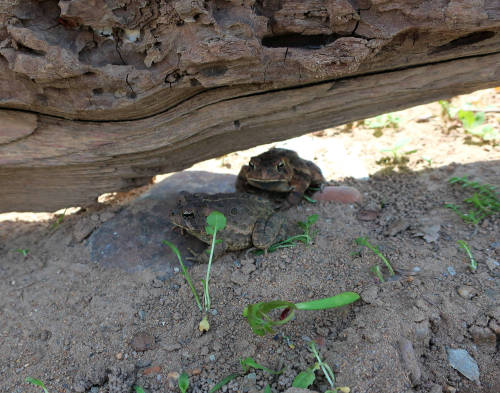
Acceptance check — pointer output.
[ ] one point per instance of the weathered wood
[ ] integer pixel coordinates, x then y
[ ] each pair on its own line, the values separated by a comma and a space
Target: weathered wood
85, 113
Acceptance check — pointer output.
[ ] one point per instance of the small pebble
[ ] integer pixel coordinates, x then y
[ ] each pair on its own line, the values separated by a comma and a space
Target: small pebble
152, 370
212, 358
370, 294
142, 315
196, 371
176, 270
213, 311
237, 263
461, 361
466, 291
451, 270
341, 194
119, 356
94, 389
142, 341
240, 278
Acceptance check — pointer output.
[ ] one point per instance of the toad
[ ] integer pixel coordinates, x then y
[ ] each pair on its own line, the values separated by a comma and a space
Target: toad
280, 171
250, 221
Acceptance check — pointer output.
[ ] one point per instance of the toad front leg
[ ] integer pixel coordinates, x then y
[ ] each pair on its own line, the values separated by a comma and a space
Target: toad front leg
267, 231
204, 256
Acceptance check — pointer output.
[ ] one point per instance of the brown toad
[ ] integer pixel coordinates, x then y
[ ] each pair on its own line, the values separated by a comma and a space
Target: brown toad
280, 171
250, 221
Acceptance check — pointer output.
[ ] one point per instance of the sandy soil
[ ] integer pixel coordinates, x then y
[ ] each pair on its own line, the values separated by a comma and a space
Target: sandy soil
81, 327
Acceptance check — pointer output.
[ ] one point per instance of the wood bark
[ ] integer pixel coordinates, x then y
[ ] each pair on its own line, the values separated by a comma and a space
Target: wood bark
99, 96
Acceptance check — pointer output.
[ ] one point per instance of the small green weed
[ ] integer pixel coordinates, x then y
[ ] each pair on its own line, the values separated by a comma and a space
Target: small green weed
261, 322
375, 269
465, 246
293, 241
472, 120
378, 123
427, 160
183, 382
306, 378
59, 220
247, 364
216, 221
363, 241
37, 382
483, 203
138, 389
23, 251
396, 158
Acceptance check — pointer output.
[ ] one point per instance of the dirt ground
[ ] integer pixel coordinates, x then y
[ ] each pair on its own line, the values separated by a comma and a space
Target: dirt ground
82, 327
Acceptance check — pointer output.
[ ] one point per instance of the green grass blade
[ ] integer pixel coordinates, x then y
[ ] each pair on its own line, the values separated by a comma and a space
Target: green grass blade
464, 245
342, 299
138, 389
36, 382
226, 380
309, 199
183, 382
267, 389
375, 269
248, 363
185, 273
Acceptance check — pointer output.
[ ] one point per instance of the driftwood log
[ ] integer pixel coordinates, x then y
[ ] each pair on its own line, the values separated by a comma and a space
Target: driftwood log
100, 95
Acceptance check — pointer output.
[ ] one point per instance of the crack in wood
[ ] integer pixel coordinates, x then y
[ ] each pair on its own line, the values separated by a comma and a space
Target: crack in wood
288, 88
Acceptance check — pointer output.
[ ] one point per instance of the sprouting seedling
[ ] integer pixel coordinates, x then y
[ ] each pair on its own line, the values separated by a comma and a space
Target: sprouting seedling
185, 272
363, 241
473, 123
484, 202
306, 378
23, 251
138, 389
261, 322
37, 382
397, 157
292, 241
216, 221
183, 382
471, 119
59, 220
375, 269
383, 121
427, 160
247, 364
465, 246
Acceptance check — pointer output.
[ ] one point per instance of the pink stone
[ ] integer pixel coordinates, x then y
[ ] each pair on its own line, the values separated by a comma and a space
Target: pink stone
341, 194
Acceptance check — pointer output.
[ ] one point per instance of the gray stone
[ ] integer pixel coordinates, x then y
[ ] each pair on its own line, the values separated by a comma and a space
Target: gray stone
370, 294
132, 240
461, 361
466, 291
142, 341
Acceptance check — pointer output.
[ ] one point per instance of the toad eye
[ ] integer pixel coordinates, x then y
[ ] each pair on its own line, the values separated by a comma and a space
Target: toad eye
251, 165
187, 214
280, 165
